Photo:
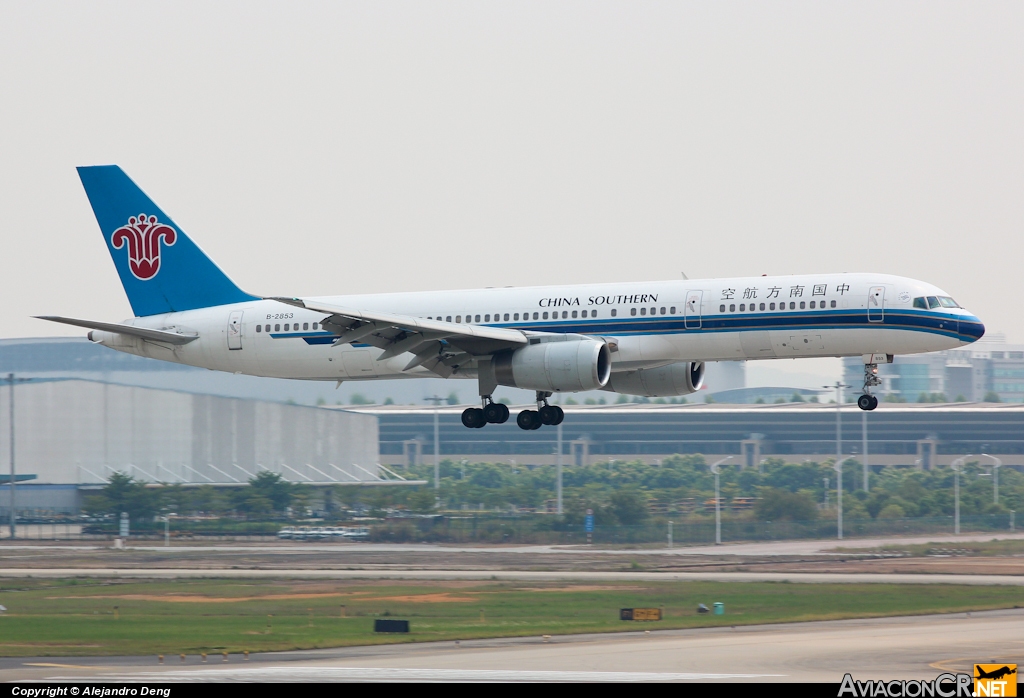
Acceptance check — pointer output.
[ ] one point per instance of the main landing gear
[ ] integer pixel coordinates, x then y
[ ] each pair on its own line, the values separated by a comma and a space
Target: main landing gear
491, 413
867, 401
544, 414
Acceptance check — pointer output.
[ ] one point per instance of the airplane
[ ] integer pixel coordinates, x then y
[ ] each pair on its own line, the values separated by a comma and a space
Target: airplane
650, 338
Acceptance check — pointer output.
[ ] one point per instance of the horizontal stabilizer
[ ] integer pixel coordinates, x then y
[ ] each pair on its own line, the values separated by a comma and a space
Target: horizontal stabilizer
130, 330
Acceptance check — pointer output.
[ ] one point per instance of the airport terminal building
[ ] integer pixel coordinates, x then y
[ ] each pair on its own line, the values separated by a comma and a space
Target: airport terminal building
70, 435
913, 435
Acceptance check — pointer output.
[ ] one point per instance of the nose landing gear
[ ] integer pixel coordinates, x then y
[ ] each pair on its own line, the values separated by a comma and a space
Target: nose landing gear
867, 401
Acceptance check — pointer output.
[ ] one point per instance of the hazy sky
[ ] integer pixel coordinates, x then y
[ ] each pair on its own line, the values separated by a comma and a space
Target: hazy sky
318, 148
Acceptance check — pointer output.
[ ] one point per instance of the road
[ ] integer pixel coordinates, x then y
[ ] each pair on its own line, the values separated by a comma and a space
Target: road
762, 548
883, 648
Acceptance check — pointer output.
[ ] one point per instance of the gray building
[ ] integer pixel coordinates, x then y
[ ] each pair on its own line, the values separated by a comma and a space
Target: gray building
971, 374
76, 433
910, 435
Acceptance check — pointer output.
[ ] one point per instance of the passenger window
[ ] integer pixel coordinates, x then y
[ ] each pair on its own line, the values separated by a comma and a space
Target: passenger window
314, 325
615, 311
672, 310
583, 313
477, 318
593, 313
565, 314
662, 311
448, 319
792, 305
771, 307
535, 315
277, 328
305, 326
933, 302
753, 307
833, 304
802, 305
515, 317
721, 308
743, 307
643, 311
632, 311
812, 305
732, 307
487, 318
762, 306
506, 316
574, 313
545, 316
259, 328
458, 318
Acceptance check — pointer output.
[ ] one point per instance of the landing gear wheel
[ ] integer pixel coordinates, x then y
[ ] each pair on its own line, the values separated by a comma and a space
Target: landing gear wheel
473, 418
867, 402
550, 415
528, 420
495, 413
492, 413
561, 416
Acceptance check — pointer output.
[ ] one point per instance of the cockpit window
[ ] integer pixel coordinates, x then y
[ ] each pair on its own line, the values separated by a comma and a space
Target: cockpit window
920, 302
933, 302
947, 302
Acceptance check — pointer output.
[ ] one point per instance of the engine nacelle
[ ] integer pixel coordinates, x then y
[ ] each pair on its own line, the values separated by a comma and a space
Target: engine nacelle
558, 366
668, 381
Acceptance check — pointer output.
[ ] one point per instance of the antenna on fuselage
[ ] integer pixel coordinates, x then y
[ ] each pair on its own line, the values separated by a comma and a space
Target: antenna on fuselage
684, 275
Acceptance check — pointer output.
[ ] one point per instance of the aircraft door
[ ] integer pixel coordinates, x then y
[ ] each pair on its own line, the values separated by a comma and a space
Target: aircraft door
235, 330
691, 310
876, 304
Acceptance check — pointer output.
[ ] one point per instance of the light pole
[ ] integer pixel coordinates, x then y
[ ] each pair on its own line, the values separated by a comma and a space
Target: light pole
956, 465
437, 400
718, 501
996, 464
558, 468
838, 467
11, 380
864, 445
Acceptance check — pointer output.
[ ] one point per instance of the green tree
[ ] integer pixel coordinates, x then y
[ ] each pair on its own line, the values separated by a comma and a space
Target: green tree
629, 506
359, 399
782, 505
124, 493
422, 500
453, 398
991, 396
273, 487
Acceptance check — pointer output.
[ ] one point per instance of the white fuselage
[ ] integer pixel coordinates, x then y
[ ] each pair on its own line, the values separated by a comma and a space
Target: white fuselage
651, 324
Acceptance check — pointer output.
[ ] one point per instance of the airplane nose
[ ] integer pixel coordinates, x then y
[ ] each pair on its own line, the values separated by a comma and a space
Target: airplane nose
971, 329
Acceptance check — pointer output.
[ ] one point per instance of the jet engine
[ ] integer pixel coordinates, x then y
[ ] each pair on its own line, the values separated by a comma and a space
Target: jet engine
667, 381
569, 365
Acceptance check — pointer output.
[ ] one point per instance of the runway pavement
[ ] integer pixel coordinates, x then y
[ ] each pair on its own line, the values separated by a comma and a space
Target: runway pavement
760, 548
884, 648
521, 576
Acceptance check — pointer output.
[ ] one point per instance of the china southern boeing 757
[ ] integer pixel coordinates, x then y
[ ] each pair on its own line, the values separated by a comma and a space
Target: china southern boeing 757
647, 338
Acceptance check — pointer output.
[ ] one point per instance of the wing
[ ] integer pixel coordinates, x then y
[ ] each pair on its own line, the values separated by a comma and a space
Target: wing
143, 332
441, 347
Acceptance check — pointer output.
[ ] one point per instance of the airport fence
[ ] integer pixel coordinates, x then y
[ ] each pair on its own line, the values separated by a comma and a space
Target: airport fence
525, 530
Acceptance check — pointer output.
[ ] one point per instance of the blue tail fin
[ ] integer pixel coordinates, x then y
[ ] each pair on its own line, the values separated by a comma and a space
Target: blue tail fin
161, 269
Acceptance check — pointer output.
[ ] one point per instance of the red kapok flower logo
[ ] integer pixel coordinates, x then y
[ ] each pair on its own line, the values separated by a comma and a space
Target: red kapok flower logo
142, 236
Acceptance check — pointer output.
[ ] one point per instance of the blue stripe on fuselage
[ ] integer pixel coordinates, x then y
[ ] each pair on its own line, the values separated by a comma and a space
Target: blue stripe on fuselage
957, 327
